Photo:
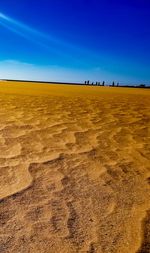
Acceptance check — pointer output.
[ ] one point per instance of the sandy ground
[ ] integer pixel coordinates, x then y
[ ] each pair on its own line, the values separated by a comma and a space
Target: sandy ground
74, 169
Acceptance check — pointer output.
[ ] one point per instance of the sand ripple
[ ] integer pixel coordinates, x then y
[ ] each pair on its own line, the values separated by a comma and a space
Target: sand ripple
75, 173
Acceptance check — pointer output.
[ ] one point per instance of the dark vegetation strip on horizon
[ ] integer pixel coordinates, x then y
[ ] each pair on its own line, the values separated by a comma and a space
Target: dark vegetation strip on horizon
85, 84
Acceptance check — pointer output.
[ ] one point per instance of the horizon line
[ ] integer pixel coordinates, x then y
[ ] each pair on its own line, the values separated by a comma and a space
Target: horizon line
142, 85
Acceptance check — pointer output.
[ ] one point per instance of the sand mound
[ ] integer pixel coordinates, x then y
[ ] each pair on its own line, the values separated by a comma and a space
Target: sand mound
74, 169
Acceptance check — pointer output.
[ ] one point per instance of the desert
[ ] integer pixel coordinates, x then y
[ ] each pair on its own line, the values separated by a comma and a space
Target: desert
74, 169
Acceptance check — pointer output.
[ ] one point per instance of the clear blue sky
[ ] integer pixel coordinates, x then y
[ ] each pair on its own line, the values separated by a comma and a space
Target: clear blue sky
74, 40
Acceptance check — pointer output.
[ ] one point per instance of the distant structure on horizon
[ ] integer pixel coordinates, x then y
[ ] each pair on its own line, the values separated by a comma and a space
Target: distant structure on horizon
116, 85
96, 83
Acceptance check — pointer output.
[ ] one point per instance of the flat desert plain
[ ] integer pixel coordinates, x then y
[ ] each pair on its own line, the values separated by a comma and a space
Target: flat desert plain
74, 169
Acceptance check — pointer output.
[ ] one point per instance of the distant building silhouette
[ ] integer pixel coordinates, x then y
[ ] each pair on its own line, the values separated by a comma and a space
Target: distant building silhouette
142, 85
113, 84
103, 83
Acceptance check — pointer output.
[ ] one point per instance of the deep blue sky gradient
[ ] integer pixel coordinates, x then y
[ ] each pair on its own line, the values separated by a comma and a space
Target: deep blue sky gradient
110, 35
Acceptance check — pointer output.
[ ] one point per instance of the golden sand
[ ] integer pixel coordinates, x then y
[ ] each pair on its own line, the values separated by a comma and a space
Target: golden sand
74, 169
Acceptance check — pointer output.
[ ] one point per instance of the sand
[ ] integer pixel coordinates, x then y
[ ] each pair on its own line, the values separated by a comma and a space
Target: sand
74, 169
